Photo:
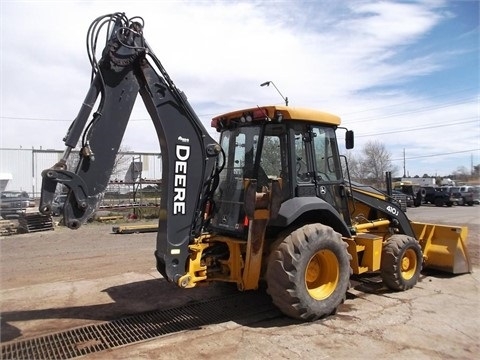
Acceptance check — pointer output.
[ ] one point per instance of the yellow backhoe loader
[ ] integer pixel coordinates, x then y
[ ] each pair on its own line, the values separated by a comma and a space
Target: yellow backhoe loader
268, 202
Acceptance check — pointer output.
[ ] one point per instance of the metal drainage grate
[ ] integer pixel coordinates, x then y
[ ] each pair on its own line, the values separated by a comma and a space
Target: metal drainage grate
94, 338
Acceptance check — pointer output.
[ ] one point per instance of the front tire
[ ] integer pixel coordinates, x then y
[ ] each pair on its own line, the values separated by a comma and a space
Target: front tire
401, 262
308, 273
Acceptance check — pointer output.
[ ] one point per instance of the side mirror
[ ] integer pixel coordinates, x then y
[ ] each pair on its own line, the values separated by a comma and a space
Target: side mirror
349, 139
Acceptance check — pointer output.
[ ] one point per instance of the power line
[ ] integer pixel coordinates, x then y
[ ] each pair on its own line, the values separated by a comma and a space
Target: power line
436, 96
430, 126
46, 119
70, 120
413, 111
435, 155
32, 119
425, 108
365, 119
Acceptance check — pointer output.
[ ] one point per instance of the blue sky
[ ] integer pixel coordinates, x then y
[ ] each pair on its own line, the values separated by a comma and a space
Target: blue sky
405, 73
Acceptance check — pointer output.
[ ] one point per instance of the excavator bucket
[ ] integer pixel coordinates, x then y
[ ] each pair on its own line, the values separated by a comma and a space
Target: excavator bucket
444, 247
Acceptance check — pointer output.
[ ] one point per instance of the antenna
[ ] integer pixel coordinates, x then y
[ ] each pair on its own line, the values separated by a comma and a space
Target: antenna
267, 83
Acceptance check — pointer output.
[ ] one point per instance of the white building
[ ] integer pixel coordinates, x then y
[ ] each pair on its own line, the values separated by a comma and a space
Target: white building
20, 169
420, 181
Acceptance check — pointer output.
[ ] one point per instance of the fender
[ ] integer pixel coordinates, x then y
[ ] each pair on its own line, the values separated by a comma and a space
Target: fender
293, 209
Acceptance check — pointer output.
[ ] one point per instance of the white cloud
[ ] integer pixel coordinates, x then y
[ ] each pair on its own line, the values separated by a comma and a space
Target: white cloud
388, 24
343, 57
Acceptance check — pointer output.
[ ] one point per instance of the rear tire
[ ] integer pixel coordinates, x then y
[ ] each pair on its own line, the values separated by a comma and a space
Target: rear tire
308, 273
401, 262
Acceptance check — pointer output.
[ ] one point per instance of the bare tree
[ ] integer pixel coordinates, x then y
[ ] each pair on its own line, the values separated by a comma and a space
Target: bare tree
352, 165
462, 173
271, 155
476, 170
374, 162
370, 165
122, 163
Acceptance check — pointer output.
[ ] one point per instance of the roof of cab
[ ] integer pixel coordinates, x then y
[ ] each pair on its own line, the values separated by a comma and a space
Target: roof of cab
288, 113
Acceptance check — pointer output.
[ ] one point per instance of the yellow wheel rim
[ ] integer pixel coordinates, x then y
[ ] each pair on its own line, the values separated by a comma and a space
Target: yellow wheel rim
409, 264
322, 274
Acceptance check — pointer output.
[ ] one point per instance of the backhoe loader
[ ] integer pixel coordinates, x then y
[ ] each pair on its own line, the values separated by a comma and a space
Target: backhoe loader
269, 202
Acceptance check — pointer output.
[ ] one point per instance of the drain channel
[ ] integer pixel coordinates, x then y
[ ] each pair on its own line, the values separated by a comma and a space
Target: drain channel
248, 307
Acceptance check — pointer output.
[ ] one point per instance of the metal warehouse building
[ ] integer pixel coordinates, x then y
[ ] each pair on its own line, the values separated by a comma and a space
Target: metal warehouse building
20, 169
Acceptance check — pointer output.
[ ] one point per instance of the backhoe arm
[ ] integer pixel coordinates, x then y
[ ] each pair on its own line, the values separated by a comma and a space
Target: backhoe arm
189, 154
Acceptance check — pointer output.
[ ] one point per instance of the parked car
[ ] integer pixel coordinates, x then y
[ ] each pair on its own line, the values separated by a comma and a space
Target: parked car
58, 204
13, 203
476, 195
468, 195
449, 195
429, 193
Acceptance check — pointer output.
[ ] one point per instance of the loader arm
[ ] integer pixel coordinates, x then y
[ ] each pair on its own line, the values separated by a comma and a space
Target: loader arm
375, 201
444, 247
189, 154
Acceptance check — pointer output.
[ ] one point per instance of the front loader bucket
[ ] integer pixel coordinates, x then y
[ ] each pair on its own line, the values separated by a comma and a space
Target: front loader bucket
444, 247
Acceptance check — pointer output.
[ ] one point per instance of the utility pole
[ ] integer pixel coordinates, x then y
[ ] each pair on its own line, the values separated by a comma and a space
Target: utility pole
404, 166
471, 164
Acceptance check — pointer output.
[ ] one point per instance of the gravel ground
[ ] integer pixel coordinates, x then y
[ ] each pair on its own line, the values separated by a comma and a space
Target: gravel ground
56, 280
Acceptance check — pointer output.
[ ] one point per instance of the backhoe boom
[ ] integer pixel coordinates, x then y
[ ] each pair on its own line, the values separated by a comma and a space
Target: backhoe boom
122, 73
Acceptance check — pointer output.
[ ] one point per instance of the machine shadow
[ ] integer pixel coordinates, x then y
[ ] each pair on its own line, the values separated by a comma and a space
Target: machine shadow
371, 283
158, 294
128, 299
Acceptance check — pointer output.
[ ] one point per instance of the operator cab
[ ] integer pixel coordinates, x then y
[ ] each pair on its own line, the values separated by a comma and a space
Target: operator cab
296, 145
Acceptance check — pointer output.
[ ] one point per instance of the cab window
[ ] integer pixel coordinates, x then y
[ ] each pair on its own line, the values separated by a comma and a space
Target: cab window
324, 142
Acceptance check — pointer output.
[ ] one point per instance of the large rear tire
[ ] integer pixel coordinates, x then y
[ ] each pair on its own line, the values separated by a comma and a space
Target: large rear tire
401, 262
308, 273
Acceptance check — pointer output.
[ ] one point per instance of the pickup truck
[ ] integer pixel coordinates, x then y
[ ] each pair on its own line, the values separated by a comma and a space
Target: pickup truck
448, 195
13, 203
468, 195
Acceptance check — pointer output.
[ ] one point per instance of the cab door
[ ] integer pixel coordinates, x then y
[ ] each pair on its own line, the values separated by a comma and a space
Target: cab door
319, 171
329, 182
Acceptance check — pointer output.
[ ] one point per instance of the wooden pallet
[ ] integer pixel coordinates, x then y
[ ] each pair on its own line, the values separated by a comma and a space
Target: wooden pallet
132, 229
32, 222
7, 227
